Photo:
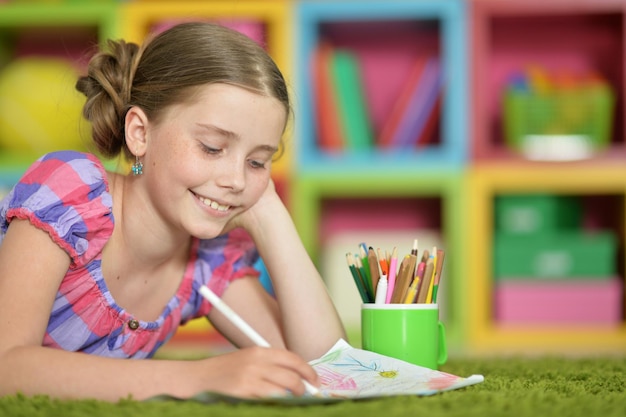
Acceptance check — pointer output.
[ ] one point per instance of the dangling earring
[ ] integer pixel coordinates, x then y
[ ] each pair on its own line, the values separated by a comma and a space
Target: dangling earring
137, 167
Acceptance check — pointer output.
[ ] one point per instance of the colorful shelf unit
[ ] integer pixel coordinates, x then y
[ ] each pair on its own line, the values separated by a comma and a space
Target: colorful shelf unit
274, 17
320, 202
572, 37
604, 187
385, 38
51, 31
453, 181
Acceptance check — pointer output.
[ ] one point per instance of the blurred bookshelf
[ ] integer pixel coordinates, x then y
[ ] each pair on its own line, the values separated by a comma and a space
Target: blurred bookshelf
427, 88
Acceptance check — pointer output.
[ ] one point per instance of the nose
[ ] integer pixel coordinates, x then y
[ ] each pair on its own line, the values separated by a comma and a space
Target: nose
231, 174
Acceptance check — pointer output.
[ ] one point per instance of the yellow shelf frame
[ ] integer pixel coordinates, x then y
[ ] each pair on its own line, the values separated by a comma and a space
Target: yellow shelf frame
484, 335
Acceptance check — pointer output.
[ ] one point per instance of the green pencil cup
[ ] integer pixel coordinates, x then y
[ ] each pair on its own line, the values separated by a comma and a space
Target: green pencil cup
409, 332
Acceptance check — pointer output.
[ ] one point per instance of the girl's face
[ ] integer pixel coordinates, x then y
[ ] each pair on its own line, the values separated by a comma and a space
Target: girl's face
209, 160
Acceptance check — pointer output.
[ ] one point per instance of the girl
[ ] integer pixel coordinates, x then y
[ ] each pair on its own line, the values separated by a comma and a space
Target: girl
96, 266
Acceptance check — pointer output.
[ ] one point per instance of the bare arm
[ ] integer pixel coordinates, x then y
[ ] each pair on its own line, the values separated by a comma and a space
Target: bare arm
256, 307
31, 270
308, 320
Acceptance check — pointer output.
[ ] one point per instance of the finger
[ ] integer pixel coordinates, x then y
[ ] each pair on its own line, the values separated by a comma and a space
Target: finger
300, 373
257, 388
287, 380
303, 368
266, 358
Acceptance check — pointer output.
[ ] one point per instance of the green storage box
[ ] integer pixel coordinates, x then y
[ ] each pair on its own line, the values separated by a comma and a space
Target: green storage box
537, 213
554, 256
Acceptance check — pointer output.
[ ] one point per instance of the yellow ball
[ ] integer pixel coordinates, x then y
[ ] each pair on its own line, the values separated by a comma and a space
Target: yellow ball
40, 111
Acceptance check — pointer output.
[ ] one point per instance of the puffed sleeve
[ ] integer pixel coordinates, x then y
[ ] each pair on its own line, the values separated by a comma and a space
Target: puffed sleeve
219, 262
65, 194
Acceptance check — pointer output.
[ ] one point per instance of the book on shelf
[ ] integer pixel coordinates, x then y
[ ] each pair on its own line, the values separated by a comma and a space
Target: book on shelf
428, 133
350, 95
329, 135
391, 124
416, 112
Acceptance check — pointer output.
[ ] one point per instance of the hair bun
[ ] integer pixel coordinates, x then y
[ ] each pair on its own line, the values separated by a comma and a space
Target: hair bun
108, 86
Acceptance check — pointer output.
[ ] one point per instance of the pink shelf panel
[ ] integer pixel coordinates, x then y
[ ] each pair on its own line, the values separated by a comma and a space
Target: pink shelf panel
571, 302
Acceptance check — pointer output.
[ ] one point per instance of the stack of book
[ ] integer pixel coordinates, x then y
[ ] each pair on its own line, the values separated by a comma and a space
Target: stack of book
341, 107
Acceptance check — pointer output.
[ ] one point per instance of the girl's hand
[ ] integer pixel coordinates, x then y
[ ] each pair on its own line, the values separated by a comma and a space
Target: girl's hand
253, 373
261, 209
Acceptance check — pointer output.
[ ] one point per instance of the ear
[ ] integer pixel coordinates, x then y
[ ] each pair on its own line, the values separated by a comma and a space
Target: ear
136, 128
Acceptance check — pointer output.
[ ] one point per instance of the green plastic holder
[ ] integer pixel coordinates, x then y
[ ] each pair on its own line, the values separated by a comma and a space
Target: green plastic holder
585, 112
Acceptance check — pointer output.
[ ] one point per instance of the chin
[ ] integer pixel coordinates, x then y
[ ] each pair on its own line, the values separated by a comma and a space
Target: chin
209, 234
206, 232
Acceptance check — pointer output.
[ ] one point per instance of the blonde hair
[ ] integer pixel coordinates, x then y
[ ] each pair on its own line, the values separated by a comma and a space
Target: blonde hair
164, 72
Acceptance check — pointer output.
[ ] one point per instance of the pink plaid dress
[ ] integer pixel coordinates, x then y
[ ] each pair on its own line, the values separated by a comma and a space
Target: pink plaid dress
66, 194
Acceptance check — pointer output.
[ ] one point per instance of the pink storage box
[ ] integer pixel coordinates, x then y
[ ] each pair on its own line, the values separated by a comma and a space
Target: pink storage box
580, 301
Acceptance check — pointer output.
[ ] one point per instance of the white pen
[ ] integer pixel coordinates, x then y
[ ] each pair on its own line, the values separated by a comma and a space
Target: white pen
381, 290
230, 314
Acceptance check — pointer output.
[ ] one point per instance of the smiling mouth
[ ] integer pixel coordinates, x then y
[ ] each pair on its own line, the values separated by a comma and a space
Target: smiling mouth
213, 204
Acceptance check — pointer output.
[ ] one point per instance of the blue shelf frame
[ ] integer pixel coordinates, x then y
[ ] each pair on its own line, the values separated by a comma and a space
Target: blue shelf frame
451, 153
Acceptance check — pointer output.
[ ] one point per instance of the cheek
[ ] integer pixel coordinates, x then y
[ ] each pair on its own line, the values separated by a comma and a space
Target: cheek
172, 174
170, 154
257, 187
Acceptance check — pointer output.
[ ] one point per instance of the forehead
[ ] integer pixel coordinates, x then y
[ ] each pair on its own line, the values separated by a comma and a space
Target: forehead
227, 97
230, 108
227, 92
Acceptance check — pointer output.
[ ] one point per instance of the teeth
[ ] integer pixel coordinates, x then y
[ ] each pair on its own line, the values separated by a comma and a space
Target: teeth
213, 204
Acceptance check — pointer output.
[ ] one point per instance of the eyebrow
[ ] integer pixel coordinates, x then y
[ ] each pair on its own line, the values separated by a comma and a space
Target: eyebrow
234, 136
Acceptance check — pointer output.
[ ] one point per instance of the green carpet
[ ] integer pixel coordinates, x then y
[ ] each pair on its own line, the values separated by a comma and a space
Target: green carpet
516, 387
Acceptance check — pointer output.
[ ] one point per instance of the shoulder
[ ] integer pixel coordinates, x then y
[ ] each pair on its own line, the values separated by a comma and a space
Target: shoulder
66, 194
217, 263
226, 258
73, 167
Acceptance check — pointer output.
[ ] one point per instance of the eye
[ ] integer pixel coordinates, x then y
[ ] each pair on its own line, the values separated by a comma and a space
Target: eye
210, 150
257, 164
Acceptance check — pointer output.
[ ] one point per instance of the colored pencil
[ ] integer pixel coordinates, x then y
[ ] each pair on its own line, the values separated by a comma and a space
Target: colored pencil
356, 277
384, 266
412, 291
429, 296
438, 268
422, 294
374, 270
405, 276
391, 279
365, 279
